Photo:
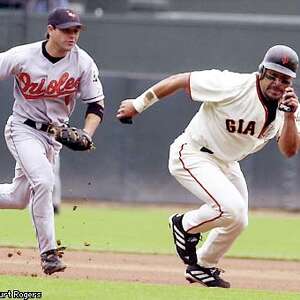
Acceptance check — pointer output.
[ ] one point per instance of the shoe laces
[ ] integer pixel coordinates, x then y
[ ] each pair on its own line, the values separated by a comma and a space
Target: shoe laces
194, 238
54, 253
216, 272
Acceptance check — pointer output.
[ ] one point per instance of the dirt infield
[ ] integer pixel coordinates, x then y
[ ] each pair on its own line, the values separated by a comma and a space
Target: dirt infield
155, 269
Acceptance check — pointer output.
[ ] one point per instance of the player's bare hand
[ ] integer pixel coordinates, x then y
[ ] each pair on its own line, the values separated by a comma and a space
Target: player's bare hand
126, 110
290, 99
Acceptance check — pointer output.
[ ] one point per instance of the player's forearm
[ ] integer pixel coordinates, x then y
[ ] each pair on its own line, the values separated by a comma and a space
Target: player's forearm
170, 85
289, 140
91, 123
164, 88
131, 107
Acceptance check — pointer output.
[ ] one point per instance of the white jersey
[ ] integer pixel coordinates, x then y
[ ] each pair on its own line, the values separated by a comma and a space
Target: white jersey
46, 92
232, 120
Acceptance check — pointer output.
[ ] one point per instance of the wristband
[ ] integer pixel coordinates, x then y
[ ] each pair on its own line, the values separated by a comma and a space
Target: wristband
144, 101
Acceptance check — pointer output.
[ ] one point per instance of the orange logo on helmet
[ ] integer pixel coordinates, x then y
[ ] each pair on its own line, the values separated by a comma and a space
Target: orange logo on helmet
71, 14
285, 60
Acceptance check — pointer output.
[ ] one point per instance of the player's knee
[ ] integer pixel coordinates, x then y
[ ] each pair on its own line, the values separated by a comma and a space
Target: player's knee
236, 223
241, 222
45, 183
237, 214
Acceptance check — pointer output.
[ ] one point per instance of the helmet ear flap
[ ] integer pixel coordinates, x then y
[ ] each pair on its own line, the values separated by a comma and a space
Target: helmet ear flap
261, 68
261, 71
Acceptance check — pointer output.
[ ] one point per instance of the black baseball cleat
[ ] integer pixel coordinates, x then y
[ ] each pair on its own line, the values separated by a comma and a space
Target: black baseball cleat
51, 262
185, 242
209, 277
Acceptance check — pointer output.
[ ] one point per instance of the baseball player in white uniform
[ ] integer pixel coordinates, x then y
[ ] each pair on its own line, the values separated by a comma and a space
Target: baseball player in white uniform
48, 77
239, 115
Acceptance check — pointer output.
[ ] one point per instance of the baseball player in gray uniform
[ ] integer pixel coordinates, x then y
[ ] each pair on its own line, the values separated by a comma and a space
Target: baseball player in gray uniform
57, 194
239, 115
48, 77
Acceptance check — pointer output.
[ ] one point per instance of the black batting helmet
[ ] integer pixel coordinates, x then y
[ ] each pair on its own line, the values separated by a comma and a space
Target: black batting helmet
282, 59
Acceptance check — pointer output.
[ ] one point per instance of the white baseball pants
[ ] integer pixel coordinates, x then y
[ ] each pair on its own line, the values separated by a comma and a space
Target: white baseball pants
33, 183
221, 186
56, 199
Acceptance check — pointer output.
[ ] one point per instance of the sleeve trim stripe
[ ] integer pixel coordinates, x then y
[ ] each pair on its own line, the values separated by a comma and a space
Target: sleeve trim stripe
101, 97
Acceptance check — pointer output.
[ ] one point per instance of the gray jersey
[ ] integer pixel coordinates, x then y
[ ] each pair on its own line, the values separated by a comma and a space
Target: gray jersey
47, 92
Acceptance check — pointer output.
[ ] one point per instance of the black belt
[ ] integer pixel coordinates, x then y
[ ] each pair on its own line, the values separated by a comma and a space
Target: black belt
204, 149
37, 125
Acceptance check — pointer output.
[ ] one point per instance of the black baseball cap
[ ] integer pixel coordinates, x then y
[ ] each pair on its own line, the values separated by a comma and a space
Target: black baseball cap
63, 18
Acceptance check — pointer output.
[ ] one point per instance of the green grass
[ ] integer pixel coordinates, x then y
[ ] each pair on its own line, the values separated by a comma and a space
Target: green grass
88, 289
141, 230
269, 237
145, 230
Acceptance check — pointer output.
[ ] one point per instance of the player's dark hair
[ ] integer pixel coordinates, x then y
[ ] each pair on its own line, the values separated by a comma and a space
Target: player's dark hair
47, 36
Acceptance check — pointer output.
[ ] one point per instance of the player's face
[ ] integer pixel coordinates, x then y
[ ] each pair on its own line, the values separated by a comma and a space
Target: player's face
274, 83
65, 39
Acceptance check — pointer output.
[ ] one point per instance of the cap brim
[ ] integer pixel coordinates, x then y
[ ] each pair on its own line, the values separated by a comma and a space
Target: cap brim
280, 69
69, 25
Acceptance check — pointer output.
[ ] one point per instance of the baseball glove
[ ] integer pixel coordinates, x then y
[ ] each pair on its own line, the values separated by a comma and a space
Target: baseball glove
73, 138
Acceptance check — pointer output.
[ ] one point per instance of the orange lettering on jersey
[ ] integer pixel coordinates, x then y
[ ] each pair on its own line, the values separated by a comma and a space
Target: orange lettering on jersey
64, 86
238, 126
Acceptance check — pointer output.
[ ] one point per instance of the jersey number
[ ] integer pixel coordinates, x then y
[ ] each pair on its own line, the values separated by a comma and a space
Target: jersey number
240, 127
